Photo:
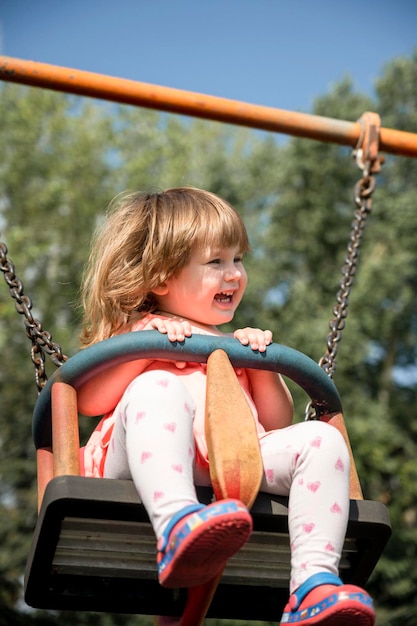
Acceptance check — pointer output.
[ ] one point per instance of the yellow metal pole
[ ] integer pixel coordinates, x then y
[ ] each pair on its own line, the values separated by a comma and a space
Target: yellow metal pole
199, 105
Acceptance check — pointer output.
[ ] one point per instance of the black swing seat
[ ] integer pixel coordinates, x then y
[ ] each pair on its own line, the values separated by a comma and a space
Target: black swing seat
94, 549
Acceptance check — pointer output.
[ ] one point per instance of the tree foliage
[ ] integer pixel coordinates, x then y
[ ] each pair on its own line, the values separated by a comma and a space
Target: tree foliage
62, 160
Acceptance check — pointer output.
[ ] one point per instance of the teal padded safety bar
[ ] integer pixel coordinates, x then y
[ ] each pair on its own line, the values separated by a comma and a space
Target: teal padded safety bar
153, 345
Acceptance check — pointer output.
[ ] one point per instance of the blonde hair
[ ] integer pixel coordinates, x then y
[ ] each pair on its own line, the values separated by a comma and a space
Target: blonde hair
145, 240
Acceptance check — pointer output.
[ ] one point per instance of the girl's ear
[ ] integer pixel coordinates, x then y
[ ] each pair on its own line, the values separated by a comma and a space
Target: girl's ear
161, 290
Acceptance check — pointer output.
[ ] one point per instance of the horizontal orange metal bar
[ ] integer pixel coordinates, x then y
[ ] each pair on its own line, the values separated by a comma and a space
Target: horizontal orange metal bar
198, 105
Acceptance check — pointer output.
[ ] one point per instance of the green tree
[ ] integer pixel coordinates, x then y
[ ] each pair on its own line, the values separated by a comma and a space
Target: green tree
306, 244
54, 171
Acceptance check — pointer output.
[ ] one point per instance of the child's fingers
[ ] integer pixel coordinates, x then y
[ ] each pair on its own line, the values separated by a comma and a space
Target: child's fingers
256, 338
176, 330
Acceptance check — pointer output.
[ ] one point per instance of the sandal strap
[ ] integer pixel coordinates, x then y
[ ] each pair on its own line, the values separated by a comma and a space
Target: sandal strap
322, 578
312, 611
187, 510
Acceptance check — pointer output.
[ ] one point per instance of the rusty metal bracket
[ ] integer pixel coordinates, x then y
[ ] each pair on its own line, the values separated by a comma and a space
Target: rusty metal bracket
366, 152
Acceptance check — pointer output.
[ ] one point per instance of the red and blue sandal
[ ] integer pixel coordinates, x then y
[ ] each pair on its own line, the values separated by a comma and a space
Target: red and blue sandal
199, 540
323, 599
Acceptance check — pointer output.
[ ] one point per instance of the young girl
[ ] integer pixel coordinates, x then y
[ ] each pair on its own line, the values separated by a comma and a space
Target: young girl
173, 262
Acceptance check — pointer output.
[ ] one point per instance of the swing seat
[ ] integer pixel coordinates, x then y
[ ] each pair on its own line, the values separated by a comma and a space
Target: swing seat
94, 549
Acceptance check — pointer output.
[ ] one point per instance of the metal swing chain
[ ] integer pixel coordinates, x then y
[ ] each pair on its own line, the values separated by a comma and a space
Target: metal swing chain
364, 189
41, 339
363, 192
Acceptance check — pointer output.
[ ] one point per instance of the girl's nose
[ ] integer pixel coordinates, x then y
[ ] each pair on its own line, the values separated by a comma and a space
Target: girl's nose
232, 273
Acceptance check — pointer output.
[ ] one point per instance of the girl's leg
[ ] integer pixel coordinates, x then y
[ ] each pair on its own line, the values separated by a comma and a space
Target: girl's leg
310, 463
153, 444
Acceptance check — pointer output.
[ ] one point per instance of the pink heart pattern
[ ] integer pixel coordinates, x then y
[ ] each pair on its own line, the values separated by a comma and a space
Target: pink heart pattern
269, 473
139, 416
314, 486
308, 528
340, 466
145, 456
316, 443
336, 508
170, 426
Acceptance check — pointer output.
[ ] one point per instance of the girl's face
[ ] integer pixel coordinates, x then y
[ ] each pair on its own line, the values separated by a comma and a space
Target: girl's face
208, 289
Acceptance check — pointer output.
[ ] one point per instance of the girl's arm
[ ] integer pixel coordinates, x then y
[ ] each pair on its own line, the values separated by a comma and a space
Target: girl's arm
272, 399
102, 392
269, 392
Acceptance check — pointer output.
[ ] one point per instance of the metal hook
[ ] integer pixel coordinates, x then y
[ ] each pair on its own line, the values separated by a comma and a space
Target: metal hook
366, 150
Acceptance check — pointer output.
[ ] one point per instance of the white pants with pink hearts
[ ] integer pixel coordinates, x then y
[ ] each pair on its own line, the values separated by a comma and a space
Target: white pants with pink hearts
153, 444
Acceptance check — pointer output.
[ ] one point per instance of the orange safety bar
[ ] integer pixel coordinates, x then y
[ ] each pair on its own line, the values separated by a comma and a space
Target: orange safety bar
199, 105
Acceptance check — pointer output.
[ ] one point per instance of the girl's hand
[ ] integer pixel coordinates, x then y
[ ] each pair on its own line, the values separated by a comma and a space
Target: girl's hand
175, 329
256, 338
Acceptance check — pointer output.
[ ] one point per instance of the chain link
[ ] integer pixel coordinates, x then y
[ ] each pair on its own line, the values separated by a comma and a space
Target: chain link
41, 339
363, 200
363, 191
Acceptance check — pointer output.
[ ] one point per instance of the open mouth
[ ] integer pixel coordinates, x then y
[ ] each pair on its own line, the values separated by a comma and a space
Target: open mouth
225, 297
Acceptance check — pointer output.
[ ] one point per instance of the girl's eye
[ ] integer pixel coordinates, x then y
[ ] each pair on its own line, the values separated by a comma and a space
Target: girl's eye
215, 261
238, 259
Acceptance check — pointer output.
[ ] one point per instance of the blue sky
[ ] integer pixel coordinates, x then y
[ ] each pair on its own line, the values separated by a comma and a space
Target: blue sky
280, 53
